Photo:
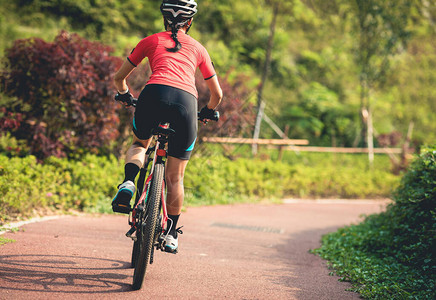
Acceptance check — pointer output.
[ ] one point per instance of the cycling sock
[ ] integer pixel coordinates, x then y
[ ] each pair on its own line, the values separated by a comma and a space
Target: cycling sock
130, 171
174, 218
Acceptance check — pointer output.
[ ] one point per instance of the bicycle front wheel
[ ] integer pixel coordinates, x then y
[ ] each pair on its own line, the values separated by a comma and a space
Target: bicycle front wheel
146, 232
140, 187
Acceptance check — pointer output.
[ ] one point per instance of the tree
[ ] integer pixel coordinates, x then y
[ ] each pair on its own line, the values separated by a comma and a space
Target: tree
381, 31
278, 7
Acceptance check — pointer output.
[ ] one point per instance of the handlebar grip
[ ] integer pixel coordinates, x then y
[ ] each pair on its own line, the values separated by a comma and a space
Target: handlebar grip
216, 116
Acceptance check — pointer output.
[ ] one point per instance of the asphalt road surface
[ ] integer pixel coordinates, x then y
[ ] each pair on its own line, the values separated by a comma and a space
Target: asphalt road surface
226, 252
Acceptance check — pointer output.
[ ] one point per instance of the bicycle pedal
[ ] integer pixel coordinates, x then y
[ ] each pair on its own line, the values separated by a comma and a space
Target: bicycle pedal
130, 232
123, 209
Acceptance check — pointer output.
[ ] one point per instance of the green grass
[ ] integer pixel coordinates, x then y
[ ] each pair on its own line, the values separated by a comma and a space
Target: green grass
375, 272
391, 255
5, 241
302, 175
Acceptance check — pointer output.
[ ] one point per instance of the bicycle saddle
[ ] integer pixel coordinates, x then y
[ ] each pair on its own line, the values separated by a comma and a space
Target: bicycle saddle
164, 131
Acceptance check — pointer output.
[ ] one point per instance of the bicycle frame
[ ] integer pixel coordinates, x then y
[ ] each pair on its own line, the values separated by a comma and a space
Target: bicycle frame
160, 155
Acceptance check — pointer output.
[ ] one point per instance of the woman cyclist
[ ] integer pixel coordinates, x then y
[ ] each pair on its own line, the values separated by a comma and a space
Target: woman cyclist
170, 96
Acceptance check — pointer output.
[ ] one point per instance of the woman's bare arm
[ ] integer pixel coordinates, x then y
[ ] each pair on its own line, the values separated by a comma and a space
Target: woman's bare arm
121, 75
216, 94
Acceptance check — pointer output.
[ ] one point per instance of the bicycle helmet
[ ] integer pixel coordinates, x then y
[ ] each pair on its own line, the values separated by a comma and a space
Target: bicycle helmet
178, 11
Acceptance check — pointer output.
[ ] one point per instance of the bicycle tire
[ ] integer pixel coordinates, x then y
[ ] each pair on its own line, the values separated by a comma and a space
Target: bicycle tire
146, 235
135, 251
140, 187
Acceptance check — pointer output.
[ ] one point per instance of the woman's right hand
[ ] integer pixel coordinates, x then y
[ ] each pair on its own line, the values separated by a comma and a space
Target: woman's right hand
127, 98
206, 114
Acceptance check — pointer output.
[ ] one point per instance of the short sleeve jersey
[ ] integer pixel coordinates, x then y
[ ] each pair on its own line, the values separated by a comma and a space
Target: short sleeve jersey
176, 69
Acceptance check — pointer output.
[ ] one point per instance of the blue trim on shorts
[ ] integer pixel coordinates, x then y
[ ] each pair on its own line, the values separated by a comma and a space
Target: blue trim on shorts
134, 123
192, 146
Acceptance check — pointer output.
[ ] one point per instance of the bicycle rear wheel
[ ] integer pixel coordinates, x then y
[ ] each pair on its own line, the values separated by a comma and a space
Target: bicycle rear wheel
146, 232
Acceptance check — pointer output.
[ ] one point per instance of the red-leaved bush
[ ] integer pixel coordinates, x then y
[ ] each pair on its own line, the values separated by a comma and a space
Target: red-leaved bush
9, 120
237, 114
65, 95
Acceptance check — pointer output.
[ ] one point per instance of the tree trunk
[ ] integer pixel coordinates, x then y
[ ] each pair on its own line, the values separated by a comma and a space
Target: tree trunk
370, 137
260, 104
363, 110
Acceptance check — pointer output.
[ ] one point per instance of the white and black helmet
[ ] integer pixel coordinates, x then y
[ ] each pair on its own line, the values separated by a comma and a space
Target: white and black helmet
178, 11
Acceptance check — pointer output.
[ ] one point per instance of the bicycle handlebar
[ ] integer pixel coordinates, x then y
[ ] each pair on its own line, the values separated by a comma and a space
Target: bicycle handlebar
216, 114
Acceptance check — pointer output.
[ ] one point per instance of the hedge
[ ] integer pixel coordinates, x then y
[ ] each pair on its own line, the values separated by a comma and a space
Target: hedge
89, 184
391, 255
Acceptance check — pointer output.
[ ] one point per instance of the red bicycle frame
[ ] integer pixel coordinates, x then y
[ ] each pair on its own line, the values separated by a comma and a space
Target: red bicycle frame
159, 156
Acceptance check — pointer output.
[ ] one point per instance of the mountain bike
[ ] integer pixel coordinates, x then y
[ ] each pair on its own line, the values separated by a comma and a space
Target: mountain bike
148, 217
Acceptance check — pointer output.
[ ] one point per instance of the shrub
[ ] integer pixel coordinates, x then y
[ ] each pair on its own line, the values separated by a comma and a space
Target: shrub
391, 255
10, 146
65, 184
237, 113
27, 187
60, 93
217, 179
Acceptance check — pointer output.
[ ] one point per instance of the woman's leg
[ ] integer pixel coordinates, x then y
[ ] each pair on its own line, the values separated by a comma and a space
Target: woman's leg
136, 152
175, 170
134, 161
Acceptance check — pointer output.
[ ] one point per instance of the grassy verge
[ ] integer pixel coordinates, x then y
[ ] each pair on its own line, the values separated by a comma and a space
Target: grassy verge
391, 255
302, 175
27, 187
5, 241
89, 184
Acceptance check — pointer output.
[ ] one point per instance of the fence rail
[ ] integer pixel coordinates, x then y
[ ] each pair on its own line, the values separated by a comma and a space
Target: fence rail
299, 145
344, 150
276, 142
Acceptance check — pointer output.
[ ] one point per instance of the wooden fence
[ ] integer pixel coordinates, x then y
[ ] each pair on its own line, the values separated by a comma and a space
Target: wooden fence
296, 145
276, 142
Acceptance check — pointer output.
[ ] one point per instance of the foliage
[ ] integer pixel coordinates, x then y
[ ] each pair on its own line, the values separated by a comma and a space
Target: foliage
212, 178
97, 18
414, 212
236, 111
10, 146
26, 186
391, 255
322, 118
5, 241
413, 97
61, 95
382, 30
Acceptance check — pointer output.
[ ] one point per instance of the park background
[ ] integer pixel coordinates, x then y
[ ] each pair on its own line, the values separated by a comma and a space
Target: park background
341, 74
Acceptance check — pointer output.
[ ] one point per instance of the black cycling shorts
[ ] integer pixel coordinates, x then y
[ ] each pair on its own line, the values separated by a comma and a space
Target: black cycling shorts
161, 104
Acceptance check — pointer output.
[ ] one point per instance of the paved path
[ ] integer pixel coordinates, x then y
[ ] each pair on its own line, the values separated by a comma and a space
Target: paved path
226, 252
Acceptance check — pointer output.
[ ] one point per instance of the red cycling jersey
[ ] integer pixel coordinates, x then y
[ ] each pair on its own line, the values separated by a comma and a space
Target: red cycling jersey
173, 69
